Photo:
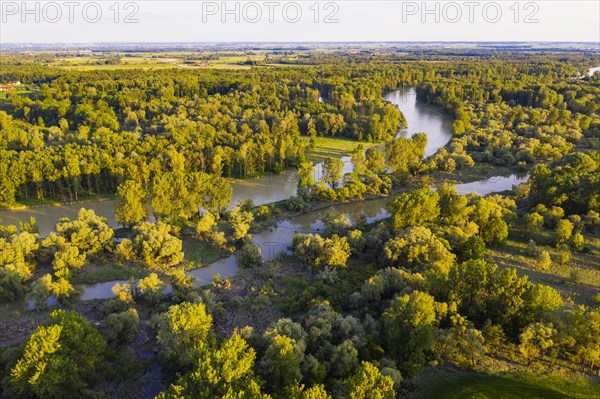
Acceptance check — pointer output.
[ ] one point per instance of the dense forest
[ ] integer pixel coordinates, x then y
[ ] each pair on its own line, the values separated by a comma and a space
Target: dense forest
446, 283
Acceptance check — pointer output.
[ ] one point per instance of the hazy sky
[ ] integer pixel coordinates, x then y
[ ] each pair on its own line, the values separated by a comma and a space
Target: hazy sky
278, 21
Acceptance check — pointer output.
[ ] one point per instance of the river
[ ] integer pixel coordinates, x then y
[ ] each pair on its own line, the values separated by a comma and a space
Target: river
267, 189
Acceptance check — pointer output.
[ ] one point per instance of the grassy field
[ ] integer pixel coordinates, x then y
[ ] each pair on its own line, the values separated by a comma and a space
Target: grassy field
506, 386
577, 280
225, 60
33, 202
198, 253
333, 147
92, 273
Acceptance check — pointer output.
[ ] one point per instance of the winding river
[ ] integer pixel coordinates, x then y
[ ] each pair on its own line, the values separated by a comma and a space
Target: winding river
268, 189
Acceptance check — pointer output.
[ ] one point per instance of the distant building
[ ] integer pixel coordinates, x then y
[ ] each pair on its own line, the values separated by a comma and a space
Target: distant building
10, 85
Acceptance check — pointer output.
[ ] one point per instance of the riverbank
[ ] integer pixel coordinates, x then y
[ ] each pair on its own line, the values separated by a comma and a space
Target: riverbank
37, 203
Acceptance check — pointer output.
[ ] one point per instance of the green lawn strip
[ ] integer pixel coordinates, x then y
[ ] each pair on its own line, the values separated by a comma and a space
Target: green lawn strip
332, 147
507, 386
93, 273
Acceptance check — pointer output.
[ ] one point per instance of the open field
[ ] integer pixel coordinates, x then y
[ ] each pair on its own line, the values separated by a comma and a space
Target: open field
224, 60
332, 147
506, 386
94, 273
577, 280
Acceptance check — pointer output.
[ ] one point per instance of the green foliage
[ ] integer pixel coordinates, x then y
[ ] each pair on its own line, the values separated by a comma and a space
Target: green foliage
563, 232
153, 244
369, 383
332, 171
336, 223
404, 155
536, 341
374, 160
150, 288
481, 292
240, 222
185, 333
461, 344
223, 373
318, 251
495, 231
408, 327
59, 359
41, 290
249, 256
130, 209
122, 328
533, 223
306, 174
206, 230
263, 212
414, 208
473, 248
543, 261
418, 249
66, 261
17, 252
89, 233
281, 362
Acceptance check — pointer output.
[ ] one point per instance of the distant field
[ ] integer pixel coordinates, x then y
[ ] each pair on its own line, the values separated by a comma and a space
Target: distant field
333, 147
528, 386
167, 60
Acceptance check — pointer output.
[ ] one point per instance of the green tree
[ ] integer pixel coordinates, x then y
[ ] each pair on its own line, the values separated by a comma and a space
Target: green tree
281, 362
336, 223
224, 373
375, 160
408, 327
461, 344
404, 155
536, 341
495, 231
369, 383
122, 328
533, 223
66, 261
543, 261
319, 251
563, 231
41, 290
206, 226
577, 241
185, 333
314, 392
358, 160
151, 288
332, 171
249, 256
89, 233
418, 249
130, 208
154, 244
473, 248
60, 359
414, 208
306, 174
240, 222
